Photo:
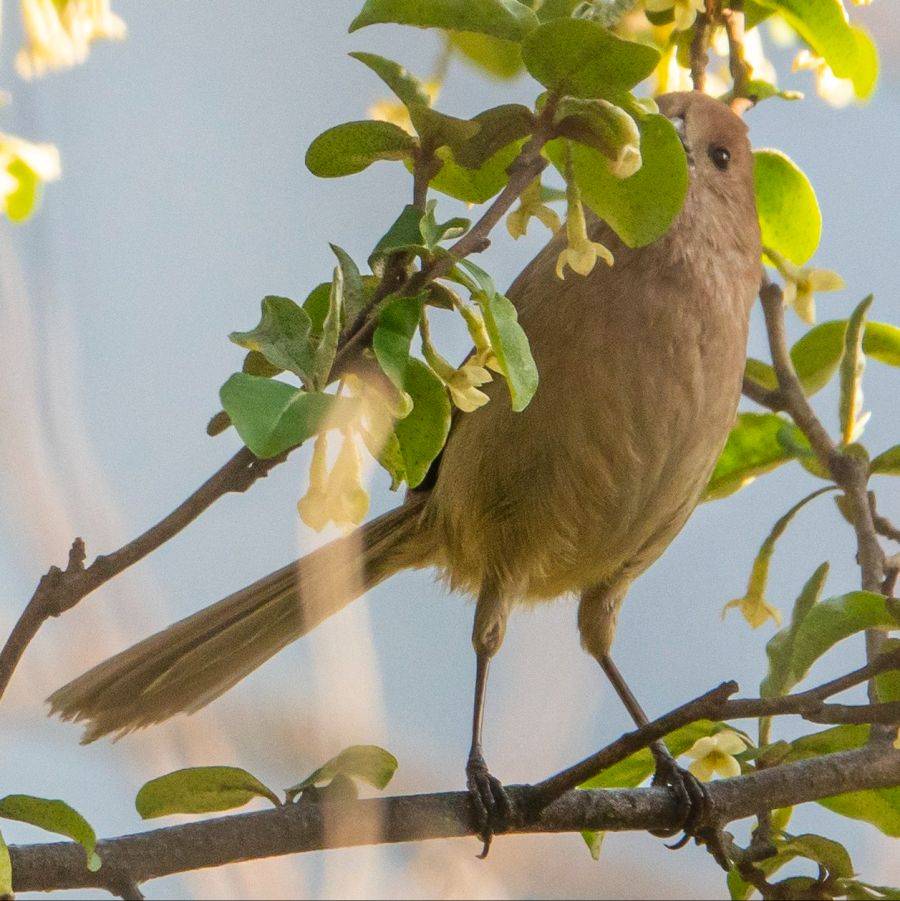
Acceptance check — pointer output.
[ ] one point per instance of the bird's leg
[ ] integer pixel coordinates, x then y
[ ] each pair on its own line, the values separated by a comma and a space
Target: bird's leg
691, 794
489, 799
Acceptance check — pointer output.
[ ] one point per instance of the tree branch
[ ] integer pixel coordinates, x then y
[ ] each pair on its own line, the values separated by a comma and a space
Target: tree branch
311, 826
60, 590
850, 472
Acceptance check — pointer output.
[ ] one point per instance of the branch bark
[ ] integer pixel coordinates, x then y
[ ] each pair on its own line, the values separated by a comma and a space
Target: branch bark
310, 826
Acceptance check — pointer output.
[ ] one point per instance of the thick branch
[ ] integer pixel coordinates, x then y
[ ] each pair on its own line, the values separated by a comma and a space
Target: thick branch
309, 826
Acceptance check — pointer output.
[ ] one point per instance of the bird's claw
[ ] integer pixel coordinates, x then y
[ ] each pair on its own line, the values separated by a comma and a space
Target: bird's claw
490, 802
691, 795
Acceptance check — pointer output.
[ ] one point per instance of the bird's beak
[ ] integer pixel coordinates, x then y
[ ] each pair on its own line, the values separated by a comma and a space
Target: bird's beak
680, 127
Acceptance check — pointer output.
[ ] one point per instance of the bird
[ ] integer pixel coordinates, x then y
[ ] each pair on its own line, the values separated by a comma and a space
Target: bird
641, 367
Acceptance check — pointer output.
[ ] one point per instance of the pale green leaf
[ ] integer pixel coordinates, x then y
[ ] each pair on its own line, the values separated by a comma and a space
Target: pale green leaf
422, 434
499, 58
780, 649
272, 417
510, 344
6, 885
789, 215
641, 208
403, 83
367, 763
887, 463
853, 365
754, 447
53, 816
202, 789
583, 59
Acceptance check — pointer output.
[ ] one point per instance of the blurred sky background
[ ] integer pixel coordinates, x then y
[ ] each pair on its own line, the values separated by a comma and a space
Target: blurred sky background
185, 200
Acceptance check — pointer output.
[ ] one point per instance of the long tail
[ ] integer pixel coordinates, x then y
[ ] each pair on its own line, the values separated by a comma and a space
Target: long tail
184, 667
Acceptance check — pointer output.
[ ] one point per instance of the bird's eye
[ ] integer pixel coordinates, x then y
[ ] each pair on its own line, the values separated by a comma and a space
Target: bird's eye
720, 156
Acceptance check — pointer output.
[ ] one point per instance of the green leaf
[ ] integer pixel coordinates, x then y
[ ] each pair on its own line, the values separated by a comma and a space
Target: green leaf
887, 684
789, 217
437, 129
202, 789
327, 341
594, 841
498, 127
597, 123
354, 300
422, 434
753, 448
887, 463
817, 355
499, 58
633, 770
368, 763
830, 622
852, 367
255, 363
583, 59
53, 816
780, 649
6, 886
272, 417
510, 344
761, 373
354, 146
641, 208
433, 232
506, 19
397, 323
316, 306
404, 84
823, 24
882, 342
405, 235
474, 185
282, 337
880, 807
21, 202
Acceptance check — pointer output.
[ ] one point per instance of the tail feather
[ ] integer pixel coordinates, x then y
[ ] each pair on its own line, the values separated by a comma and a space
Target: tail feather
184, 667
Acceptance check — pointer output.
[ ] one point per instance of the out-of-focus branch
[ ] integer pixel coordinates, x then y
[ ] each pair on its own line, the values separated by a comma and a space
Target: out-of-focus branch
312, 826
60, 590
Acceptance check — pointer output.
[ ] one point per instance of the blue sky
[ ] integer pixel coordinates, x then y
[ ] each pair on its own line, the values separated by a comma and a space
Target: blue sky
184, 201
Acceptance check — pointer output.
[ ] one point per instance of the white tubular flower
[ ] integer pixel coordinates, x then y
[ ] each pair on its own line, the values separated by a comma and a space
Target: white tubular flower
59, 33
715, 755
581, 254
531, 207
837, 92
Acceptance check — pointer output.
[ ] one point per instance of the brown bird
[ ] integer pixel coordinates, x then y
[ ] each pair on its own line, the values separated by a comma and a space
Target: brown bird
640, 368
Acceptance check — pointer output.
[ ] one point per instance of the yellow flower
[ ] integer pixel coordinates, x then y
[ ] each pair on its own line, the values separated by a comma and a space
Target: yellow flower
581, 253
685, 11
531, 206
833, 90
338, 497
801, 286
755, 609
59, 33
715, 754
484, 349
20, 163
462, 383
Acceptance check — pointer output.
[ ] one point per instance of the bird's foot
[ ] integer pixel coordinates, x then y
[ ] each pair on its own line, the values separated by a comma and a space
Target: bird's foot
490, 801
691, 796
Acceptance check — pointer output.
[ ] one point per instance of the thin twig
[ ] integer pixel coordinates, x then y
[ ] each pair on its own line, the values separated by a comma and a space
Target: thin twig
737, 63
